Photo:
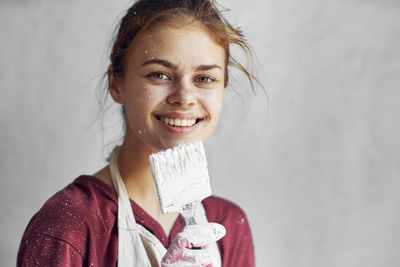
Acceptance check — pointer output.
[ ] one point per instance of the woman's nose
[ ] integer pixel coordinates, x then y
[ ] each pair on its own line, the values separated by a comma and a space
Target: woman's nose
182, 95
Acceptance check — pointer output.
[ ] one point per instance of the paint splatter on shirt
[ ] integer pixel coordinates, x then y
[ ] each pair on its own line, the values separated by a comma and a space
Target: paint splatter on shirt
78, 227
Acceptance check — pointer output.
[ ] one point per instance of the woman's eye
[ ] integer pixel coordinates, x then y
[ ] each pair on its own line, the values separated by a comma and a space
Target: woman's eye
157, 75
205, 79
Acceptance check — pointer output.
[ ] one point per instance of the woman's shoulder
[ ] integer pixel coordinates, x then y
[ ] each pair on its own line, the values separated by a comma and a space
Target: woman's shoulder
86, 205
236, 247
84, 196
222, 210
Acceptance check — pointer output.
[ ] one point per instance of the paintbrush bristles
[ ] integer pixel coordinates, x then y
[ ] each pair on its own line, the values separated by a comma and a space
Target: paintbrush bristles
181, 176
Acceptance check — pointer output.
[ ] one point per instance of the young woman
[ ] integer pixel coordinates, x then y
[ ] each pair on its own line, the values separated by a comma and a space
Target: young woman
169, 71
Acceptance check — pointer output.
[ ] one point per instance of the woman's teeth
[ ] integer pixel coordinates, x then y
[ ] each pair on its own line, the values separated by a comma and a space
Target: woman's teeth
178, 122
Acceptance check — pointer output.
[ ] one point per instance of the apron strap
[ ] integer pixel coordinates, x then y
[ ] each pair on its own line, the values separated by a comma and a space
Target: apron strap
126, 219
131, 251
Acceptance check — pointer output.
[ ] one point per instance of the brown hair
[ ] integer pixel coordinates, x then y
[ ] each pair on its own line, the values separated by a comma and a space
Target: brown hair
146, 13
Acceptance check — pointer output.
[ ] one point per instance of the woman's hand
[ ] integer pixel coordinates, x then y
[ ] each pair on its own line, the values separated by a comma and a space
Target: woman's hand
190, 247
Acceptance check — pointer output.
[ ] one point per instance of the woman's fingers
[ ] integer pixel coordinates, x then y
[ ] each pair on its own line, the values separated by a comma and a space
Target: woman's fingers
200, 235
188, 257
182, 253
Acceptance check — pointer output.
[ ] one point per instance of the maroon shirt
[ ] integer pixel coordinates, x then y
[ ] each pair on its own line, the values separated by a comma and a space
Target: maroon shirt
78, 227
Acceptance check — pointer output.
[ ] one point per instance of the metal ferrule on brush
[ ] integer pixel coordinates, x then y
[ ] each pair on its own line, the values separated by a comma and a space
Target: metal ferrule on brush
189, 213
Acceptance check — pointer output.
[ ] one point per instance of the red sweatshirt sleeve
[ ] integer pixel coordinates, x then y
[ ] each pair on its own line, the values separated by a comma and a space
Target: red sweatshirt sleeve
43, 250
238, 243
236, 246
244, 249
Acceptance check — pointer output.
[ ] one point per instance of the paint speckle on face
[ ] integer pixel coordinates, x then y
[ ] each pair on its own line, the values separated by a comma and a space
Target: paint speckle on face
145, 51
141, 131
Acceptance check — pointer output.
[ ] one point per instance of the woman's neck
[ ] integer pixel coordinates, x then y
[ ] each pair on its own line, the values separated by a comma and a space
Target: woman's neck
133, 164
134, 167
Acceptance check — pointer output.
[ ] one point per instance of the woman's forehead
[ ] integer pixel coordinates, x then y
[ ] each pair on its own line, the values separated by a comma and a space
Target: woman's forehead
187, 42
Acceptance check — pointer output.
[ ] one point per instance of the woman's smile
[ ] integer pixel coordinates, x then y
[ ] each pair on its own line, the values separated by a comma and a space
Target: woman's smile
181, 123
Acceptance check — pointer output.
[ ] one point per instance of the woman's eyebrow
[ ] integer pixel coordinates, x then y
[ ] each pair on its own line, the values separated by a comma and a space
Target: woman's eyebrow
207, 67
170, 65
162, 62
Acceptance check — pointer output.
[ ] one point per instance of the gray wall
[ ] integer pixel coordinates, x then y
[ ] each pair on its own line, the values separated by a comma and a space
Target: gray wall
315, 168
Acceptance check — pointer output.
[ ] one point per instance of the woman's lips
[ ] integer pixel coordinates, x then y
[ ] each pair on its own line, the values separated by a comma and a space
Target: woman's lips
178, 124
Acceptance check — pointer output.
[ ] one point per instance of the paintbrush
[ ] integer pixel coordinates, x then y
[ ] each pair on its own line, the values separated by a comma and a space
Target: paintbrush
181, 177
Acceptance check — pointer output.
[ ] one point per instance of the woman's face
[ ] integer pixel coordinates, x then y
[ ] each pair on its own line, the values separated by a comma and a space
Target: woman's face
173, 87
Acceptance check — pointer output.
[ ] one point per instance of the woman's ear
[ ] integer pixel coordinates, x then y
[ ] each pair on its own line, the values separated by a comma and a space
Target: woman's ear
114, 86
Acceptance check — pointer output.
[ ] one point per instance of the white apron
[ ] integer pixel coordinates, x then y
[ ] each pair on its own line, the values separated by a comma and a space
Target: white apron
137, 247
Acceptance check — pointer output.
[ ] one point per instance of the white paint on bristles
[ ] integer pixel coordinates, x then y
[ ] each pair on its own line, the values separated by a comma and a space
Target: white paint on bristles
181, 176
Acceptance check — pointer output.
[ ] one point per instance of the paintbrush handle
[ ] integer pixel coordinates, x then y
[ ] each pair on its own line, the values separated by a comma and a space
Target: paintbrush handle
189, 213
189, 216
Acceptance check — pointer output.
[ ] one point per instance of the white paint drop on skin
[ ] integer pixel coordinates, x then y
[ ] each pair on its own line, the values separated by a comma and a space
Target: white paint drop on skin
145, 51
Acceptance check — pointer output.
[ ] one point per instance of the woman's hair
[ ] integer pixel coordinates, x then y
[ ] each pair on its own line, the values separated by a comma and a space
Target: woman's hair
147, 13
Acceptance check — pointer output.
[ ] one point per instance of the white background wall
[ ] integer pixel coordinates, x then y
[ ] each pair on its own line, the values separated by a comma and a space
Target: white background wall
316, 168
